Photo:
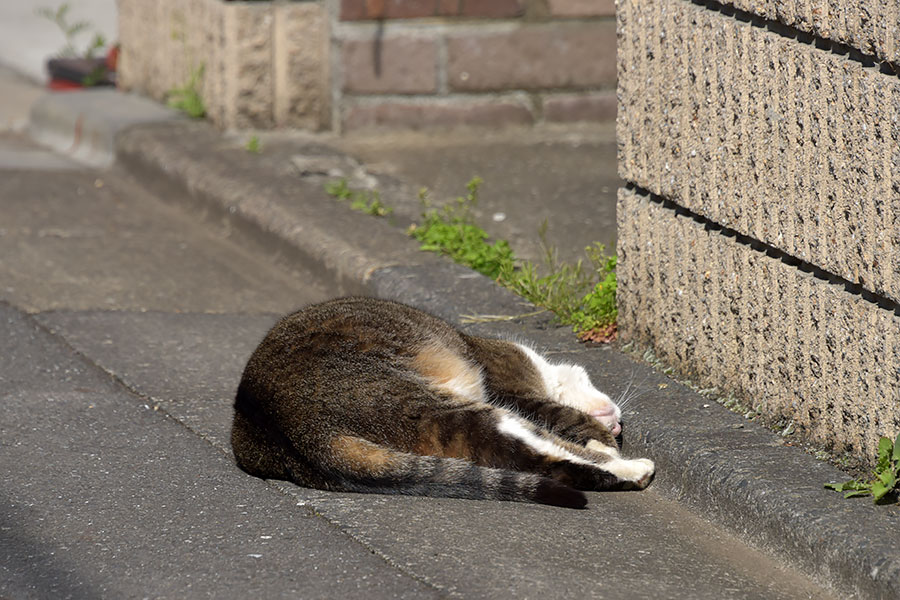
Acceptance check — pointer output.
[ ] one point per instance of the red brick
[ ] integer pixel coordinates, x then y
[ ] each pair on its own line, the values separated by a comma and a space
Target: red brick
431, 114
495, 9
582, 8
535, 57
570, 108
354, 10
449, 8
400, 65
358, 10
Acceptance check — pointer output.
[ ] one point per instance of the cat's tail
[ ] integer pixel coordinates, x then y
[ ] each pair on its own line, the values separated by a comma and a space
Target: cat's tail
362, 466
353, 464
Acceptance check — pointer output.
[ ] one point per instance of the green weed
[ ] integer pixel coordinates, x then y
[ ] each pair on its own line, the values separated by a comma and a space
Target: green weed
884, 486
452, 231
188, 98
254, 146
364, 201
579, 295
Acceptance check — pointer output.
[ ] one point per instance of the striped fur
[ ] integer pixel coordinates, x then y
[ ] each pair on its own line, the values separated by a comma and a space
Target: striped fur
366, 395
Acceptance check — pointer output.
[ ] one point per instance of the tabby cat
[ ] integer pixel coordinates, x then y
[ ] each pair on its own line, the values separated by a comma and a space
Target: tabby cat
366, 395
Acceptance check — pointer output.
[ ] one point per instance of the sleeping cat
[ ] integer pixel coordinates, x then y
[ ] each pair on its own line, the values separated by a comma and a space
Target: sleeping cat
366, 395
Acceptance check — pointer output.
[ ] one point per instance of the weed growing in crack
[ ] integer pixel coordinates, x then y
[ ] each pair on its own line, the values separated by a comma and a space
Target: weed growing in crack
884, 487
188, 98
583, 296
253, 146
452, 231
364, 201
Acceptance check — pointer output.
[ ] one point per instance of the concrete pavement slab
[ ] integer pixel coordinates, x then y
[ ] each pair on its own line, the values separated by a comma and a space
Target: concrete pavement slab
17, 152
95, 240
188, 363
97, 499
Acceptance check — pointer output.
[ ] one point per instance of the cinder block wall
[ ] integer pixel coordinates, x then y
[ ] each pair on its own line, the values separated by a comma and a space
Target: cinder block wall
349, 64
265, 64
759, 234
419, 63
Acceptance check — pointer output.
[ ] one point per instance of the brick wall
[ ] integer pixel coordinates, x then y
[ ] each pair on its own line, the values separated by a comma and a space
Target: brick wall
759, 238
420, 63
349, 64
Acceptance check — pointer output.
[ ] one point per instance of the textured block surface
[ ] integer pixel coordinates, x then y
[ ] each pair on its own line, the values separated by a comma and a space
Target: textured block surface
735, 317
263, 64
870, 26
786, 142
302, 75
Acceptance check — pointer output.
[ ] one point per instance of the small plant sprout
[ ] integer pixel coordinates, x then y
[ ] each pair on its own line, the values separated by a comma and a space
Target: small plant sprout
884, 486
188, 98
254, 146
579, 295
364, 201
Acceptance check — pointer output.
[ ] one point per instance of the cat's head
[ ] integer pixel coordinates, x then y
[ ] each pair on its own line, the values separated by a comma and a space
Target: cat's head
573, 388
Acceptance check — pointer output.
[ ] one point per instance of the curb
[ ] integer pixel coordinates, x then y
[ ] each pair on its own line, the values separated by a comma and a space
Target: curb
739, 475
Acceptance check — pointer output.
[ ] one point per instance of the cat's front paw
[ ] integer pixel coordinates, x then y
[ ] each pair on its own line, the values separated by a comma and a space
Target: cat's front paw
634, 474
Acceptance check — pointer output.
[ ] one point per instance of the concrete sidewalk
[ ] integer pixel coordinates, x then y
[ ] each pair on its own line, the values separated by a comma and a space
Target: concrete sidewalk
710, 459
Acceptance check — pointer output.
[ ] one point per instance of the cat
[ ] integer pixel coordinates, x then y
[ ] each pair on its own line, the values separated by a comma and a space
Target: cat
366, 395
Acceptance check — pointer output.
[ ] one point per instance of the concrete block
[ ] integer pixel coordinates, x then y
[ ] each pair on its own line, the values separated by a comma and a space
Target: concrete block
264, 64
785, 142
870, 26
729, 315
302, 75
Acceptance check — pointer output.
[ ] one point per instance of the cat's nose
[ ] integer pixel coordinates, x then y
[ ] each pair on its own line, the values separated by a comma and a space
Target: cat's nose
607, 416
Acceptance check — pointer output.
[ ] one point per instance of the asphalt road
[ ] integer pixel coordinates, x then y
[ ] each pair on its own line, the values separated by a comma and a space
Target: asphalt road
124, 326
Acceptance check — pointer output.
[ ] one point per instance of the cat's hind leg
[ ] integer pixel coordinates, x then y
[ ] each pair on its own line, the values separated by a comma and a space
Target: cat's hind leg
256, 452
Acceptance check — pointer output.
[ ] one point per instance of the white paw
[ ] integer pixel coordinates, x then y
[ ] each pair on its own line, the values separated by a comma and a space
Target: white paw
638, 472
645, 474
